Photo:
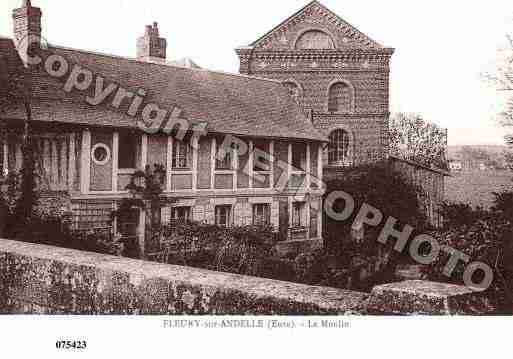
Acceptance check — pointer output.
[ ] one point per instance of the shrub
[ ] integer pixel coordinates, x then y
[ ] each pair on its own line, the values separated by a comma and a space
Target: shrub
485, 236
503, 204
387, 190
241, 250
460, 214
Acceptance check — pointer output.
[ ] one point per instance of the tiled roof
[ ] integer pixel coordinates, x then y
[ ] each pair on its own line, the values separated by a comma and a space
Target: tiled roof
228, 103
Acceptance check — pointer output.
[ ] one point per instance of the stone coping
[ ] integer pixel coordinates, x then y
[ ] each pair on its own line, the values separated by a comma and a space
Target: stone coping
52, 267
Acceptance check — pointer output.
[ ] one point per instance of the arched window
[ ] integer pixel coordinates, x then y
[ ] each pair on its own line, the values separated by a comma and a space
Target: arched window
340, 98
293, 90
314, 40
338, 148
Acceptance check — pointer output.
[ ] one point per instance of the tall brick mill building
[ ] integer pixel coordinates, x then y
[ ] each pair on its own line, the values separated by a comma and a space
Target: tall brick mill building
338, 75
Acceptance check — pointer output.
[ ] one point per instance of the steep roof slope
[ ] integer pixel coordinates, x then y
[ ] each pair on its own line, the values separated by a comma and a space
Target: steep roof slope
228, 103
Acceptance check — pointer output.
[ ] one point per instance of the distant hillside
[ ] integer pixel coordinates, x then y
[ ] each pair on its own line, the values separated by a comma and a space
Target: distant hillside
475, 156
453, 151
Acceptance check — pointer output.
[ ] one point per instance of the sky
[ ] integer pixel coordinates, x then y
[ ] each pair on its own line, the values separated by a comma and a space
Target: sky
442, 47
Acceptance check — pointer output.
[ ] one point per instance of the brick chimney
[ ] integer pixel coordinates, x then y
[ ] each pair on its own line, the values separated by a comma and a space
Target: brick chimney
27, 27
151, 46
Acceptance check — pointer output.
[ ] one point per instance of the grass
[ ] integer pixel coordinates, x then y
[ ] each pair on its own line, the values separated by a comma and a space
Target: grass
476, 187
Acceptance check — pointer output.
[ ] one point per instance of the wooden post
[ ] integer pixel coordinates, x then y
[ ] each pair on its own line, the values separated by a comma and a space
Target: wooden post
55, 165
320, 165
213, 163
289, 167
271, 153
195, 145
64, 165
235, 167
18, 161
144, 151
85, 173
251, 164
5, 168
72, 162
47, 165
115, 164
169, 161
142, 233
308, 167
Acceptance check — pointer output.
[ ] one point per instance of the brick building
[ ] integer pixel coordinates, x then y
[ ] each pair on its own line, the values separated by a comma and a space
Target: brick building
338, 75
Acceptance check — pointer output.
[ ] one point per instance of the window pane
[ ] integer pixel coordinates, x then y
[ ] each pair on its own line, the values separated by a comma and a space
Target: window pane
224, 163
262, 156
223, 215
296, 214
181, 154
339, 98
182, 214
338, 149
128, 145
261, 214
298, 156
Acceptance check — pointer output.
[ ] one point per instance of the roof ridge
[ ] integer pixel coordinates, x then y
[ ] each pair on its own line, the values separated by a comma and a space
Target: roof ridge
283, 22
348, 23
167, 64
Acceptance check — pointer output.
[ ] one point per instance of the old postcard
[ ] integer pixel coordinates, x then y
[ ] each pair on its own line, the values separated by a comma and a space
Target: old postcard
270, 173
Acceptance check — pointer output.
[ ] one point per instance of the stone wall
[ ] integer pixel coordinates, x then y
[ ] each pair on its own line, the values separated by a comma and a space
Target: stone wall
49, 280
37, 279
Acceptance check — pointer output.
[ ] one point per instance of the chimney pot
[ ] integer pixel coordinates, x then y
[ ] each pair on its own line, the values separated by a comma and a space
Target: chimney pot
151, 45
27, 28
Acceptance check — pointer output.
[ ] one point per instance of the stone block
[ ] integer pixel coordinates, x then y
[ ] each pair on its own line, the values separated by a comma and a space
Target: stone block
417, 297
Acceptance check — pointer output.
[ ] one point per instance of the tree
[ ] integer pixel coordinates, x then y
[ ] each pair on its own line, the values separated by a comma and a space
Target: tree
415, 139
508, 158
146, 189
502, 78
16, 92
